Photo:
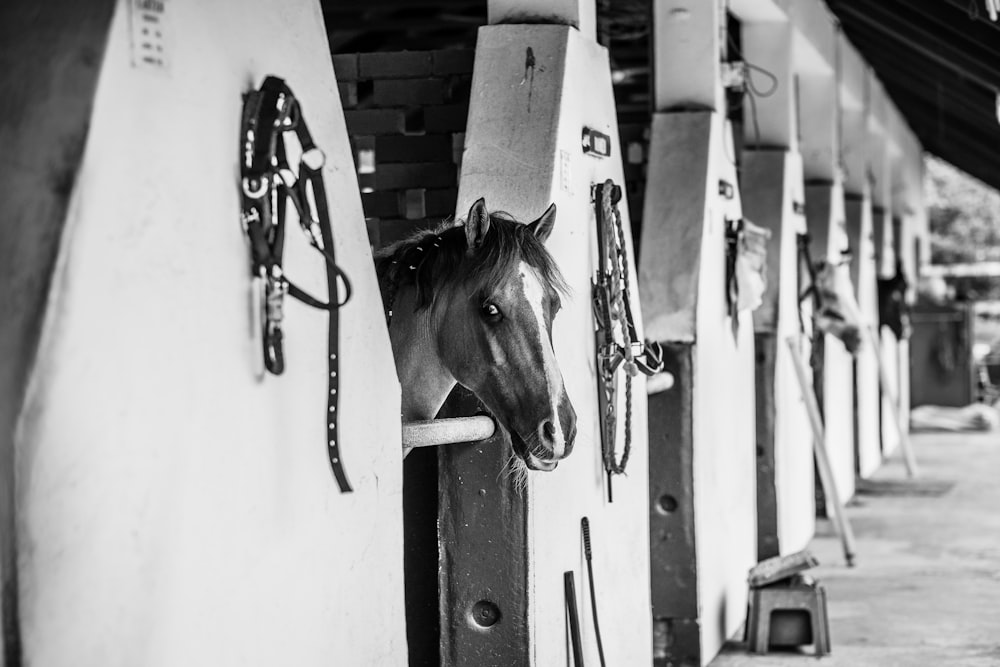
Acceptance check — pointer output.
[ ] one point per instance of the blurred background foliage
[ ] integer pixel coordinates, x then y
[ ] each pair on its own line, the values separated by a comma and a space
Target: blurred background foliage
964, 217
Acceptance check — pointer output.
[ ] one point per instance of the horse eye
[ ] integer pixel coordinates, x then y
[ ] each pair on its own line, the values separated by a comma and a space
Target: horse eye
490, 311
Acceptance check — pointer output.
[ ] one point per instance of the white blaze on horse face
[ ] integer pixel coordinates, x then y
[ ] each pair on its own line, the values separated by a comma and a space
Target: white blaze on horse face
534, 294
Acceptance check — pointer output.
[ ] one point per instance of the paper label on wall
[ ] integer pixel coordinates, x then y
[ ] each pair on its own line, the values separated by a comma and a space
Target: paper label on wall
565, 171
148, 27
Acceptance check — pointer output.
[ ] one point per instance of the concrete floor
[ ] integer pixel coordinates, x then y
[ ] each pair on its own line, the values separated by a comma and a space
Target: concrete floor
926, 587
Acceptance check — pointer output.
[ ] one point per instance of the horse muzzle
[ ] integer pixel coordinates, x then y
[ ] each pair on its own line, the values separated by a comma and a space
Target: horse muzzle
535, 463
553, 439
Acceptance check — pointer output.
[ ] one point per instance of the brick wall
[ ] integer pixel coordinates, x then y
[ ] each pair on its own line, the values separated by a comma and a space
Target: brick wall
406, 114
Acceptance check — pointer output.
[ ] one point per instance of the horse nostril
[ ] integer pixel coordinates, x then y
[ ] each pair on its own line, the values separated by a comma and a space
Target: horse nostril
549, 430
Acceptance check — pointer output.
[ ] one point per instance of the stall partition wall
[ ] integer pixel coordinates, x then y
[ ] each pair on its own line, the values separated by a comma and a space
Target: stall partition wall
702, 467
52, 55
534, 89
834, 382
858, 217
772, 198
892, 348
172, 507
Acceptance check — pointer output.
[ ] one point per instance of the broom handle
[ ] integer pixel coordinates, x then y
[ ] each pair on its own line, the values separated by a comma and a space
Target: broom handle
822, 458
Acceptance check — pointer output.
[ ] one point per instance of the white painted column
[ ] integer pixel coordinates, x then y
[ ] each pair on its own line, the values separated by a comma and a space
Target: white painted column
686, 54
173, 507
580, 14
855, 140
908, 200
682, 274
771, 46
522, 153
880, 152
819, 115
772, 194
858, 216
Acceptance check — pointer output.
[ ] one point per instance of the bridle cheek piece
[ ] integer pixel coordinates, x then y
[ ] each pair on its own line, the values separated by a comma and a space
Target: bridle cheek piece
268, 183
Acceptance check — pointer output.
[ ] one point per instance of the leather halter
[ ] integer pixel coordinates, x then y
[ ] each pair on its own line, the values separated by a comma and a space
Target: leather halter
612, 303
268, 184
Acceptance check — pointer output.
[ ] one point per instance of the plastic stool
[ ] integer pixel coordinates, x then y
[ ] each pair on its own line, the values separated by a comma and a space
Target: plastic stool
796, 594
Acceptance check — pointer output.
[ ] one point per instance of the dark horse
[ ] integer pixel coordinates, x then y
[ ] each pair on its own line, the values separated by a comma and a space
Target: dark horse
473, 304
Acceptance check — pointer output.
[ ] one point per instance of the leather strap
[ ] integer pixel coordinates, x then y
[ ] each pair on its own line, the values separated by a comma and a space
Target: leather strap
805, 257
268, 185
734, 229
333, 277
611, 302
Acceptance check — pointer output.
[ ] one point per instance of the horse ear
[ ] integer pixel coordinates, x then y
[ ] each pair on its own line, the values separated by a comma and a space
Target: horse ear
477, 223
543, 226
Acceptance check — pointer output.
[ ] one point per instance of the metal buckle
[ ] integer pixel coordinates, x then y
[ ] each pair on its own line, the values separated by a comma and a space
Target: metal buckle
287, 118
257, 287
611, 358
277, 288
286, 176
248, 217
314, 158
255, 187
314, 234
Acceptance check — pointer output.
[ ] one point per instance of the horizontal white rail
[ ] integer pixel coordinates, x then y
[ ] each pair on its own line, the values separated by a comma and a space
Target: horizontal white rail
447, 431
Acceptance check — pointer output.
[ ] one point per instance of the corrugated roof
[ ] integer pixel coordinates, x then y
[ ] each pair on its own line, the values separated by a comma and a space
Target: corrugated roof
939, 61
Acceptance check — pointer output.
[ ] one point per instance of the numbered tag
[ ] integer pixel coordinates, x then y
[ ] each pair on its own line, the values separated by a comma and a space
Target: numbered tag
148, 26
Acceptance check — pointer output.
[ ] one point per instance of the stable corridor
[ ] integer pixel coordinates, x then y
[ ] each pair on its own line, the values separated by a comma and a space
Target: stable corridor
926, 588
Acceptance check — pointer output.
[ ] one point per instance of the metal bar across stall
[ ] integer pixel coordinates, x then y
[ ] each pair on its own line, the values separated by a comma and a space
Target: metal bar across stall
434, 432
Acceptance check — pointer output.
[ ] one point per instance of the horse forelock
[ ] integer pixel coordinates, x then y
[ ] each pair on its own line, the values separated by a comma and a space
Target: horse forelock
432, 260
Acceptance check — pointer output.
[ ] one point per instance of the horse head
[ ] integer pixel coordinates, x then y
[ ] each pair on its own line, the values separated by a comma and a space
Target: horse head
484, 295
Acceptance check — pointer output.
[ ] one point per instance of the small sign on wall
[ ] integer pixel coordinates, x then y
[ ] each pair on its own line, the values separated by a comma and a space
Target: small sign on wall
566, 171
147, 23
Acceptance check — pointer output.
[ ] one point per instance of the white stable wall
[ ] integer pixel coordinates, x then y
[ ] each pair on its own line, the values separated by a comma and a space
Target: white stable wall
724, 420
772, 192
772, 185
174, 509
826, 224
523, 152
891, 347
863, 276
793, 433
684, 290
914, 223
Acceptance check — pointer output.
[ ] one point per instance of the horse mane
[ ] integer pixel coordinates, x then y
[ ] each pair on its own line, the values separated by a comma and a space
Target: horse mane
429, 259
